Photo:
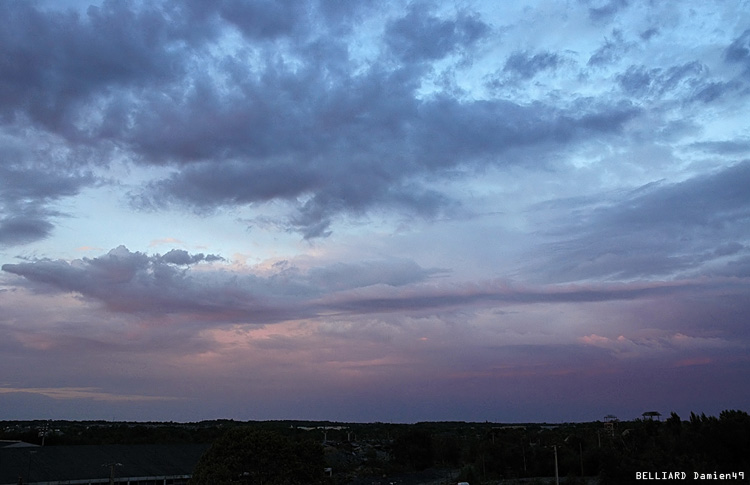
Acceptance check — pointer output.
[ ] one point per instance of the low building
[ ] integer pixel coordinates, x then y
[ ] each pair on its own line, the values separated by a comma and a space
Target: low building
15, 444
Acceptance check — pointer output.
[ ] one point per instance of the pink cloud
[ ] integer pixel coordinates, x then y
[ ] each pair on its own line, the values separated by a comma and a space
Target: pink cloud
82, 393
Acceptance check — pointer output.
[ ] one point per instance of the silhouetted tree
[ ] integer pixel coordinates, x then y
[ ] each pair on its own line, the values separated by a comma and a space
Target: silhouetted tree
245, 455
414, 449
702, 443
447, 450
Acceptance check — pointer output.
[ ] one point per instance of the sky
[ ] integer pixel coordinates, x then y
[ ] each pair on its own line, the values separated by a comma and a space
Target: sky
370, 211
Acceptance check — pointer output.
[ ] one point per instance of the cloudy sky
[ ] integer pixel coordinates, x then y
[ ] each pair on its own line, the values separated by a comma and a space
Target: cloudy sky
374, 210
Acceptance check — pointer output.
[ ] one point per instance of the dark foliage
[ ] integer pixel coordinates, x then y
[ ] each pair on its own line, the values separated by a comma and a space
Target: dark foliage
613, 451
414, 449
699, 445
249, 455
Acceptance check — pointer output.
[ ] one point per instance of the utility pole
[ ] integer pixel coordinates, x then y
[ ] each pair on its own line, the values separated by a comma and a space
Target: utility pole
44, 431
580, 452
557, 477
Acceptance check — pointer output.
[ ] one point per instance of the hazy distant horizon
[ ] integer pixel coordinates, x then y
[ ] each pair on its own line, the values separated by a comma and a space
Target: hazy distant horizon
662, 417
374, 211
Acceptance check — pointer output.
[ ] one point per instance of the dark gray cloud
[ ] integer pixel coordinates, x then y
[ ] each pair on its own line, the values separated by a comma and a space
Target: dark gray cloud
163, 285
420, 35
739, 267
689, 82
293, 111
734, 147
492, 293
27, 192
661, 230
649, 33
525, 66
26, 182
641, 81
268, 21
606, 10
19, 230
716, 90
53, 62
263, 19
739, 50
373, 138
719, 201
129, 282
610, 51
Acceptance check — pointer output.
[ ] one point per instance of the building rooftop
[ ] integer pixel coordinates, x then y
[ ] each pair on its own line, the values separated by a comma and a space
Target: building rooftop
93, 463
15, 444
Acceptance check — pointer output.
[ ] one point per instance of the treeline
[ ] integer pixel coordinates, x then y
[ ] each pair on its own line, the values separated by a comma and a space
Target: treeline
63, 432
58, 433
250, 455
484, 453
474, 452
702, 444
613, 452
